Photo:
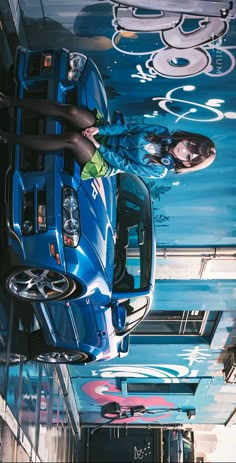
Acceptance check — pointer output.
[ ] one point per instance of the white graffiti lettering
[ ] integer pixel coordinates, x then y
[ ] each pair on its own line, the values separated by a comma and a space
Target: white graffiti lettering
130, 21
197, 354
209, 8
142, 75
221, 53
183, 54
207, 112
166, 372
140, 453
209, 29
180, 63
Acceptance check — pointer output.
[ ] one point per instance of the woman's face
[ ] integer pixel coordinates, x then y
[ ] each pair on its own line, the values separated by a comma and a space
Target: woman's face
183, 153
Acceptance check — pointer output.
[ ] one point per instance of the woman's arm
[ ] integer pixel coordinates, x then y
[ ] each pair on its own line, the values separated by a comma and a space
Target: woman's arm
159, 130
123, 129
127, 165
109, 129
113, 129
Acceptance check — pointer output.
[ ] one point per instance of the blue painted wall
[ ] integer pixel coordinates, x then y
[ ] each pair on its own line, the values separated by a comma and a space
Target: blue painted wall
199, 208
195, 295
180, 361
191, 210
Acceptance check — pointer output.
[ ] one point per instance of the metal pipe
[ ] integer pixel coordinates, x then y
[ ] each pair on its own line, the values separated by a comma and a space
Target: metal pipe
229, 253
225, 252
161, 446
129, 426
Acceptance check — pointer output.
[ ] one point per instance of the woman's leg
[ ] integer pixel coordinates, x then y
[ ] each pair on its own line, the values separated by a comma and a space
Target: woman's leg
79, 117
82, 148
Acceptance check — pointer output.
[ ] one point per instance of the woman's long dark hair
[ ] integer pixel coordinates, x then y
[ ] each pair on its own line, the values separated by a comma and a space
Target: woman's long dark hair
202, 145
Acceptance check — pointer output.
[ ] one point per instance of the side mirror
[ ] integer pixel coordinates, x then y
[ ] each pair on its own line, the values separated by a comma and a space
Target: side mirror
118, 316
124, 346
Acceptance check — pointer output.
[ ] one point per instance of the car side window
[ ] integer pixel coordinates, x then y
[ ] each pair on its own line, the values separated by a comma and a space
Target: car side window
133, 259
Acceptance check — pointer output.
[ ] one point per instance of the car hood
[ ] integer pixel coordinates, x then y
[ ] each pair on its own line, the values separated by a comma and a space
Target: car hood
98, 212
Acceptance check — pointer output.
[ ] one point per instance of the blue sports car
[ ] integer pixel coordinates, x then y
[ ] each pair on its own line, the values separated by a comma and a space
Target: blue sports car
83, 252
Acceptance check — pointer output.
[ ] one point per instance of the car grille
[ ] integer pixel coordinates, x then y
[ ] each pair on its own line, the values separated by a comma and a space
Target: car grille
32, 160
38, 91
33, 212
69, 162
34, 65
71, 96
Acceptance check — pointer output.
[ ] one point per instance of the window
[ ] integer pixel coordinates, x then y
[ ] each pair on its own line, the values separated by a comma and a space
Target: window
178, 323
134, 249
176, 386
162, 388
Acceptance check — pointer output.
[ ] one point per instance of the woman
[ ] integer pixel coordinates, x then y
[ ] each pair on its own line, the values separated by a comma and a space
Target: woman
103, 150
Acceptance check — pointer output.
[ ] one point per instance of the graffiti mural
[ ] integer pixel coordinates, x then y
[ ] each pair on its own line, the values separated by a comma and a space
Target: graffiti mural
202, 112
109, 388
193, 41
167, 372
197, 354
197, 368
106, 391
141, 452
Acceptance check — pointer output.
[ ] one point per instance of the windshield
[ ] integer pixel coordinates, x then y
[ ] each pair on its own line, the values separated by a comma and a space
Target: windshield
133, 257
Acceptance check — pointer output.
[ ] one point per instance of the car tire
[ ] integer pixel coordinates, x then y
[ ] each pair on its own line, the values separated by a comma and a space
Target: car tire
38, 284
45, 353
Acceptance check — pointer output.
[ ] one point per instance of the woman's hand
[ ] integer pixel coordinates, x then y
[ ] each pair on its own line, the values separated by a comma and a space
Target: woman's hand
95, 142
90, 131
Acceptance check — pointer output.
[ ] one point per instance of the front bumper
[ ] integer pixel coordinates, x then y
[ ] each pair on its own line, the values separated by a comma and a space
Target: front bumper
36, 177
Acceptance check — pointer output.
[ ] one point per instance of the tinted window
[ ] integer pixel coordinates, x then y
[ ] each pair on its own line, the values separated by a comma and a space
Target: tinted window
187, 322
133, 260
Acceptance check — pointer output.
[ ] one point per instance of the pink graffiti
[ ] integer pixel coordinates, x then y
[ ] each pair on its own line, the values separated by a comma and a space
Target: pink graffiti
104, 391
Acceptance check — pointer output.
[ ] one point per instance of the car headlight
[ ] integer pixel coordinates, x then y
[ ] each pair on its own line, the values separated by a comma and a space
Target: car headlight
71, 221
71, 226
77, 63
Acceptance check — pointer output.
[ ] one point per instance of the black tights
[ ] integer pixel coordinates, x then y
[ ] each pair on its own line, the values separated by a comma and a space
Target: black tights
79, 118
